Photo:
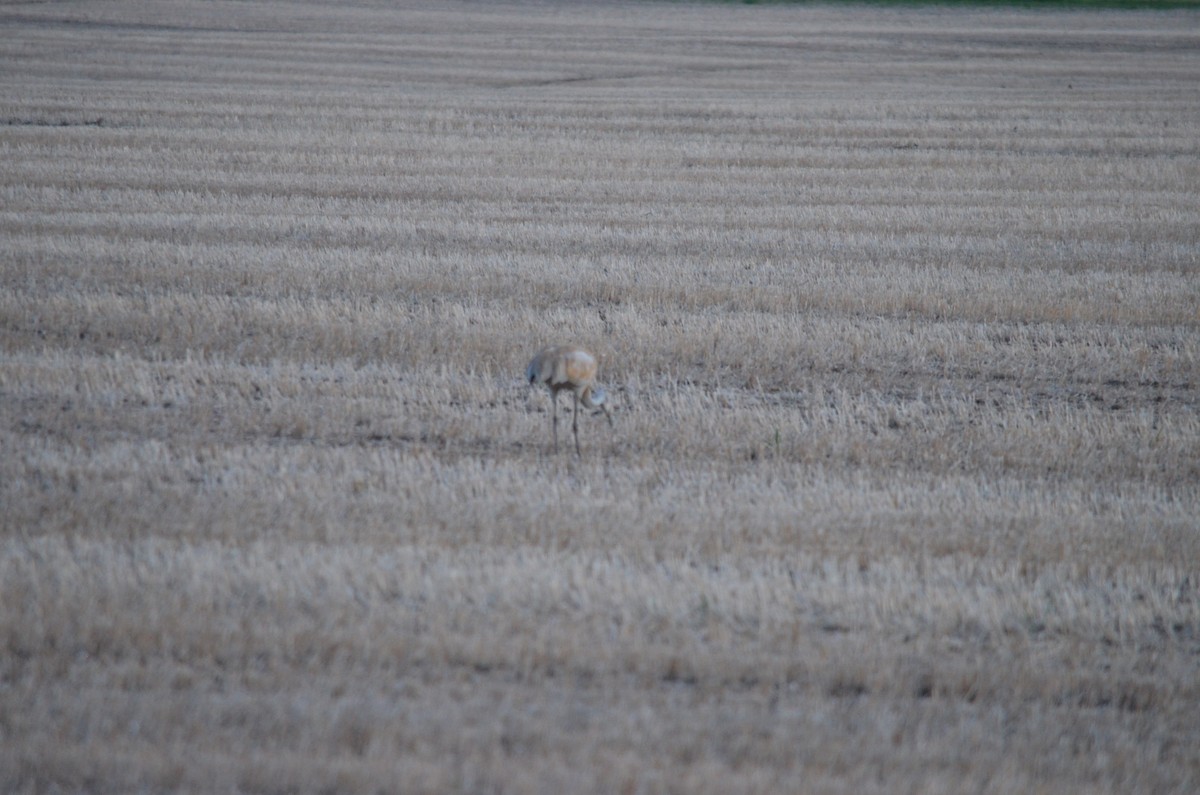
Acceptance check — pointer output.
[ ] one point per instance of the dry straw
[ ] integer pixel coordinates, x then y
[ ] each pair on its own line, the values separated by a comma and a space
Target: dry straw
897, 310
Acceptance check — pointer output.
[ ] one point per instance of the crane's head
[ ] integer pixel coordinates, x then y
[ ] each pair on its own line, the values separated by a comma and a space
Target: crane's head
596, 398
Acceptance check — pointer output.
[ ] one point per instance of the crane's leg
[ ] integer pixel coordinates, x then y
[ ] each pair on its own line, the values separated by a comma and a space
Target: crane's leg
554, 417
575, 424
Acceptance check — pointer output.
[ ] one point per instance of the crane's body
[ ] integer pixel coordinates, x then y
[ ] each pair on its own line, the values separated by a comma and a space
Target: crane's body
565, 367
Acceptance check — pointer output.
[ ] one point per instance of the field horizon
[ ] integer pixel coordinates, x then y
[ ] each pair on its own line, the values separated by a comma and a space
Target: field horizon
897, 309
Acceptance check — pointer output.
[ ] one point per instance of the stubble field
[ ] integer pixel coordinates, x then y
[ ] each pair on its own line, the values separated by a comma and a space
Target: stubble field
899, 311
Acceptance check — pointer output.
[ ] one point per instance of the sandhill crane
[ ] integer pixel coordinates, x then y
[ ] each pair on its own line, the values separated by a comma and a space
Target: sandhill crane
565, 367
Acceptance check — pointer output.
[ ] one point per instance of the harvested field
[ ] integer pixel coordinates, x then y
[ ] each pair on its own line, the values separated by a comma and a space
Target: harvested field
898, 309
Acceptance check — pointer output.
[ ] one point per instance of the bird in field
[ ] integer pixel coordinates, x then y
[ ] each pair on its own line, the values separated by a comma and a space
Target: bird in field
565, 367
